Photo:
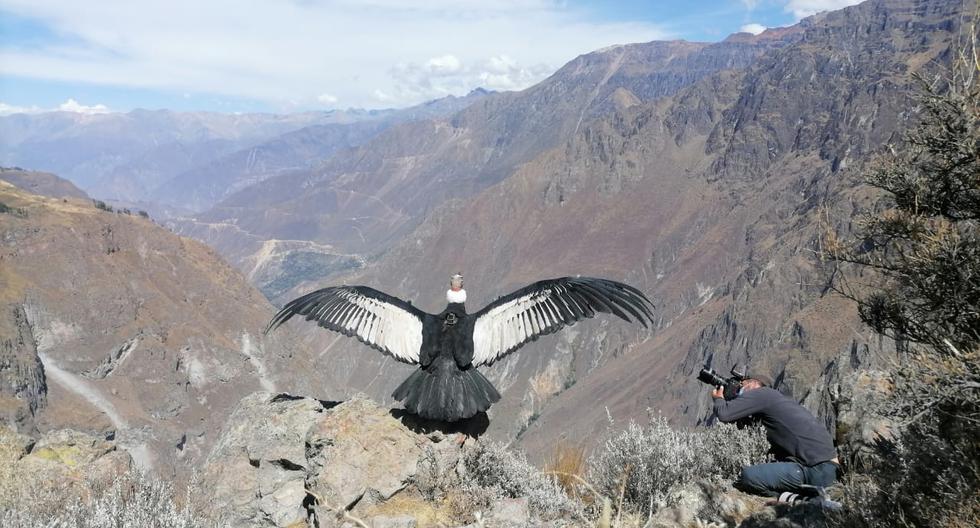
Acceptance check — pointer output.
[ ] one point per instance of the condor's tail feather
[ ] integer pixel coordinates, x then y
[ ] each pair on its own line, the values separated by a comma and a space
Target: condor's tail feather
446, 393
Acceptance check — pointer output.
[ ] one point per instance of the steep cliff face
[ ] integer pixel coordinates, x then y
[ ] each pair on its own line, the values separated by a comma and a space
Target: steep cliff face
713, 201
112, 324
23, 387
365, 200
740, 281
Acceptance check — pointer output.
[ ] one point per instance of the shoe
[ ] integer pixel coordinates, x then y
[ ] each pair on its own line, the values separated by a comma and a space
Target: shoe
826, 503
787, 497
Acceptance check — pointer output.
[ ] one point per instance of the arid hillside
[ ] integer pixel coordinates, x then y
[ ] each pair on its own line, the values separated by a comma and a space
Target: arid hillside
112, 325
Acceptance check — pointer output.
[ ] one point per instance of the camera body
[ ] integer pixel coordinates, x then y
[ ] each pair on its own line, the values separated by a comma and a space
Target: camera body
730, 384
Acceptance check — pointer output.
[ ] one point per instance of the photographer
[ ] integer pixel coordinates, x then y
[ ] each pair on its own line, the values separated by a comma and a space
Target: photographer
805, 454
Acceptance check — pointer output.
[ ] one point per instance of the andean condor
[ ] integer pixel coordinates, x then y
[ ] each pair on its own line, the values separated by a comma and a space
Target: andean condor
449, 346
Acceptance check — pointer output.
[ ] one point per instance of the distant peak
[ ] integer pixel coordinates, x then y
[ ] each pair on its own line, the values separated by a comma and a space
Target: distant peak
769, 34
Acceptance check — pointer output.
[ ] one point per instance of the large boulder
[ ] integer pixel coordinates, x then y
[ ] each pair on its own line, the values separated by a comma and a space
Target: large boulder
63, 463
284, 460
863, 433
257, 470
697, 504
360, 452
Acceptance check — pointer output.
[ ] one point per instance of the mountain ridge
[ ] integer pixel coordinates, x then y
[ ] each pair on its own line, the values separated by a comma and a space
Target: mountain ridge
114, 326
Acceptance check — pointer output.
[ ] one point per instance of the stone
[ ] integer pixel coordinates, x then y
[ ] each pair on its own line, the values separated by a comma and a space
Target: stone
861, 430
510, 512
705, 502
400, 521
71, 448
360, 454
74, 462
256, 472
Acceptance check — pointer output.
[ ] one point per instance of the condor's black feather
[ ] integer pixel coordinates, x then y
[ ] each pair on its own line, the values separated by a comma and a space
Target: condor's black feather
449, 346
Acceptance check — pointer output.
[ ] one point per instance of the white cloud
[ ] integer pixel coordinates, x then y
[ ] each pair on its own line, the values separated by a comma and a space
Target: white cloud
501, 64
445, 65
750, 4
327, 99
278, 51
6, 109
805, 8
753, 28
70, 105
442, 76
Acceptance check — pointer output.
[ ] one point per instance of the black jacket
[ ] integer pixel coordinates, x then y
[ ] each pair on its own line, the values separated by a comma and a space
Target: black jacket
792, 431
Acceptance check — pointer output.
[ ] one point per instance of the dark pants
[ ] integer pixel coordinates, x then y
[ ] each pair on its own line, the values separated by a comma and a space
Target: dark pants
772, 479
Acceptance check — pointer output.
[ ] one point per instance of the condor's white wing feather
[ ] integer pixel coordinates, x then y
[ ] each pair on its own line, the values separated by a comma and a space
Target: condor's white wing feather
545, 307
385, 323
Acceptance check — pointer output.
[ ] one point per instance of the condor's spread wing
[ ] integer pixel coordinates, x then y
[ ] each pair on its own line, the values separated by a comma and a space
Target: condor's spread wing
377, 319
544, 307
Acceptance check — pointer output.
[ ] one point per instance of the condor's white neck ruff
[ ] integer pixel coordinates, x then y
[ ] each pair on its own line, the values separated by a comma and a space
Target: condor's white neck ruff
456, 296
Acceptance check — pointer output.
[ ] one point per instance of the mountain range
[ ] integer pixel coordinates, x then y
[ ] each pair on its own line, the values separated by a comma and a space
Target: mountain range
186, 161
706, 174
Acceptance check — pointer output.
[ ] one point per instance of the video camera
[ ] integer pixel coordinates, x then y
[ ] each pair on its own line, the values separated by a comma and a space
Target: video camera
730, 384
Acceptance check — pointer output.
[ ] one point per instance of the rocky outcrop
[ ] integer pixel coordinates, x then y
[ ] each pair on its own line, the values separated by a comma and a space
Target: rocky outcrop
65, 461
705, 502
256, 472
863, 432
284, 460
23, 387
340, 473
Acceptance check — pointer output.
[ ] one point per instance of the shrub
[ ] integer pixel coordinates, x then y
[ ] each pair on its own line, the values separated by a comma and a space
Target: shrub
99, 204
920, 248
132, 501
640, 466
490, 467
16, 211
930, 475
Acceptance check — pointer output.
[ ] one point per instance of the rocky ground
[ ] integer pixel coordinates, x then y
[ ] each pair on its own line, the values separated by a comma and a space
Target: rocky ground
292, 461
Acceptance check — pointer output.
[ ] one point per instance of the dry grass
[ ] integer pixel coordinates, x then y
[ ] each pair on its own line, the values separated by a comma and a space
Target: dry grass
447, 511
567, 464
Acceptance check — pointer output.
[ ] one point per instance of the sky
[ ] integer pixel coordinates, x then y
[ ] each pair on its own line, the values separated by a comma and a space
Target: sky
299, 55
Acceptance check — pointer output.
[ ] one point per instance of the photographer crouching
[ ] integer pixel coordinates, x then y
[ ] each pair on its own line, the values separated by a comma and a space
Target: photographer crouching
806, 460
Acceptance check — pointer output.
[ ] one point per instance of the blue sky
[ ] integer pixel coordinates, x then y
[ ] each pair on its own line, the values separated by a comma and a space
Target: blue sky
294, 55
